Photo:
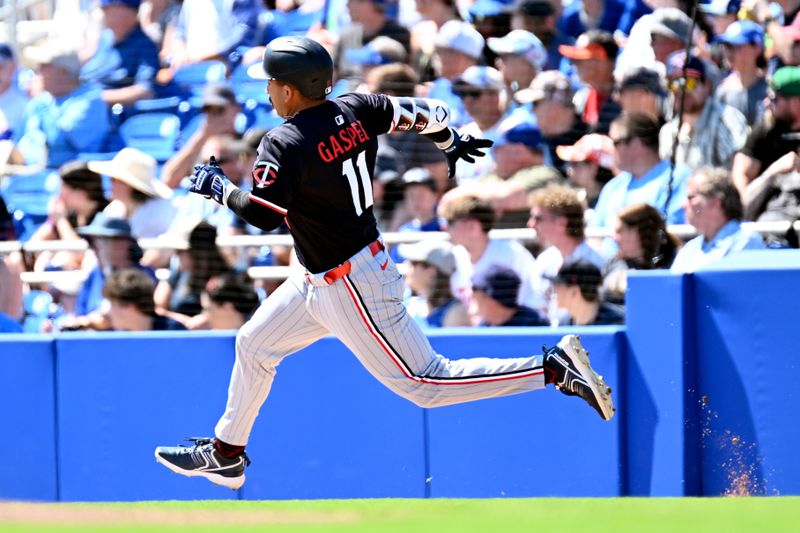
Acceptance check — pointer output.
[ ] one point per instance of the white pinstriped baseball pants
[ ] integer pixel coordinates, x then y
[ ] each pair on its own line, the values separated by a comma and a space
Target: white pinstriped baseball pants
364, 309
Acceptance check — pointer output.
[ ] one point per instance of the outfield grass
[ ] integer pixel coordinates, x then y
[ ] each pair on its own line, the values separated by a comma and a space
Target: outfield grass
412, 516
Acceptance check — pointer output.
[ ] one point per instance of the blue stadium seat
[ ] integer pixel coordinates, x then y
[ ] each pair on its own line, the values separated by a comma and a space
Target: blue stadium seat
153, 133
193, 77
247, 88
30, 193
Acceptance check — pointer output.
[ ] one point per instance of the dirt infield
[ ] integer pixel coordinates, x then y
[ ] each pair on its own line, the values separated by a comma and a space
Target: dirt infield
77, 514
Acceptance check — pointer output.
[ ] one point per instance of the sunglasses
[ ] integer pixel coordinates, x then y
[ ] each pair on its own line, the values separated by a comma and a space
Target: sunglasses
689, 84
469, 92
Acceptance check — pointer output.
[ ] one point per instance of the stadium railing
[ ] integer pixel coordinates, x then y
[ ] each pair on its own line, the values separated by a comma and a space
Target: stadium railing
683, 231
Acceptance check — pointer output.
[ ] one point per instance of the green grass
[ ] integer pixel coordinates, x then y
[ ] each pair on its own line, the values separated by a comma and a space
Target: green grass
437, 515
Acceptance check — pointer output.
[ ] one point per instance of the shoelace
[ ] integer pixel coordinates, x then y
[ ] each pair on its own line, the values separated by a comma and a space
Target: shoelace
199, 442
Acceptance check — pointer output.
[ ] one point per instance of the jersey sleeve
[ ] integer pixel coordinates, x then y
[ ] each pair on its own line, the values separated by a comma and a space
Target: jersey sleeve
272, 176
375, 111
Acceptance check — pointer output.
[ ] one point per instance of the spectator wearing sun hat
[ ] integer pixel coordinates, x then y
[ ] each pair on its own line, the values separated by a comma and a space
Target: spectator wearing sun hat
745, 88
594, 55
590, 164
457, 47
711, 132
521, 55
136, 193
68, 117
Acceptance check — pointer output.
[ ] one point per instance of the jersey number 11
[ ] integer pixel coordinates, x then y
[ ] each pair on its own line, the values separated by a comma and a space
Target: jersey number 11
354, 175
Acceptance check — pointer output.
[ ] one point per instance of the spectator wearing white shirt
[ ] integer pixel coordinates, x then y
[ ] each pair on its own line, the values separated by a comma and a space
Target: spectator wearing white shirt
469, 220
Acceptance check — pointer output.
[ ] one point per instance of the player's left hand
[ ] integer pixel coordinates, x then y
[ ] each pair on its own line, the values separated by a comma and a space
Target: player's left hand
209, 181
464, 147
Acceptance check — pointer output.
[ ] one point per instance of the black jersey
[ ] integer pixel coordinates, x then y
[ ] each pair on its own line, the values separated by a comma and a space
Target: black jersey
316, 170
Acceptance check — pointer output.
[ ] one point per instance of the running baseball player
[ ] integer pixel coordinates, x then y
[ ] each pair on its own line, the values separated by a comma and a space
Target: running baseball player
315, 171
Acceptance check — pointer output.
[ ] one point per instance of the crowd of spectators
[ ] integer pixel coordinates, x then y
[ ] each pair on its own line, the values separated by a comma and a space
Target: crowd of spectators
618, 117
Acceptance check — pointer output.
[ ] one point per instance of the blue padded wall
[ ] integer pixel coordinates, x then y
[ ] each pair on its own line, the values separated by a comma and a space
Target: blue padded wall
537, 444
660, 447
331, 430
122, 394
747, 312
28, 429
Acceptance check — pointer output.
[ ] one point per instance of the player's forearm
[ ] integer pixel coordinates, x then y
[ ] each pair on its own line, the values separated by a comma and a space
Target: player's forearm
251, 212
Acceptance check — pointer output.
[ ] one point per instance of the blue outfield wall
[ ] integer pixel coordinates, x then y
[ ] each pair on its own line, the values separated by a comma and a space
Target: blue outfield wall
704, 376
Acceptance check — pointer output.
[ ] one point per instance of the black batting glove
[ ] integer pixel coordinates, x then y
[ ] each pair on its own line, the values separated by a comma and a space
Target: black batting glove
464, 147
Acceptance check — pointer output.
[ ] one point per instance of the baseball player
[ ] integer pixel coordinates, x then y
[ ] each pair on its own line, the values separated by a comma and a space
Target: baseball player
315, 171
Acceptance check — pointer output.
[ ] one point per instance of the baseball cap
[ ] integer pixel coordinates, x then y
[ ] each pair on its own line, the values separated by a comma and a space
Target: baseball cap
671, 22
479, 77
594, 147
6, 54
512, 131
499, 283
642, 78
53, 53
438, 253
743, 32
218, 95
419, 176
695, 67
720, 7
786, 81
547, 85
133, 4
105, 226
534, 8
594, 44
578, 272
460, 36
381, 50
522, 43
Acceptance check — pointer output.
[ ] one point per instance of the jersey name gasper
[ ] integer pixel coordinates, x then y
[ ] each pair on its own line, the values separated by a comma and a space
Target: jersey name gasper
343, 141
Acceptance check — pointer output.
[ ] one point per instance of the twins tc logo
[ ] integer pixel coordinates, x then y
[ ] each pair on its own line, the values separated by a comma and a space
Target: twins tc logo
265, 174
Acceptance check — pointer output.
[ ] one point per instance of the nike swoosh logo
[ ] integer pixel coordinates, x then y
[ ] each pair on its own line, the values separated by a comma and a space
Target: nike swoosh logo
383, 266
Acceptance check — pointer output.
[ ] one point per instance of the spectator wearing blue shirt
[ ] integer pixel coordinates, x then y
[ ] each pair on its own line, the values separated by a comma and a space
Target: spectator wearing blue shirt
610, 15
12, 99
645, 177
67, 118
714, 208
126, 60
115, 248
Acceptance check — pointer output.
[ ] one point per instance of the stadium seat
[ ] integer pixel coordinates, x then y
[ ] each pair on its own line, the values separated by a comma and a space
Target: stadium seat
30, 193
193, 77
153, 133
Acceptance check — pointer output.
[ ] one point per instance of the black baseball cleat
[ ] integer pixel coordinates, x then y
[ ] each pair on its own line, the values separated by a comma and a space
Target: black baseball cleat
568, 365
205, 461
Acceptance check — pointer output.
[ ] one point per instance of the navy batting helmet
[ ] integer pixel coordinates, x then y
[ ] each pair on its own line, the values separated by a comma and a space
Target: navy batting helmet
298, 61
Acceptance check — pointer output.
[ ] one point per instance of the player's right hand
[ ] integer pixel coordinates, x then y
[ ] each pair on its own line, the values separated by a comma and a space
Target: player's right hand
464, 147
209, 181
